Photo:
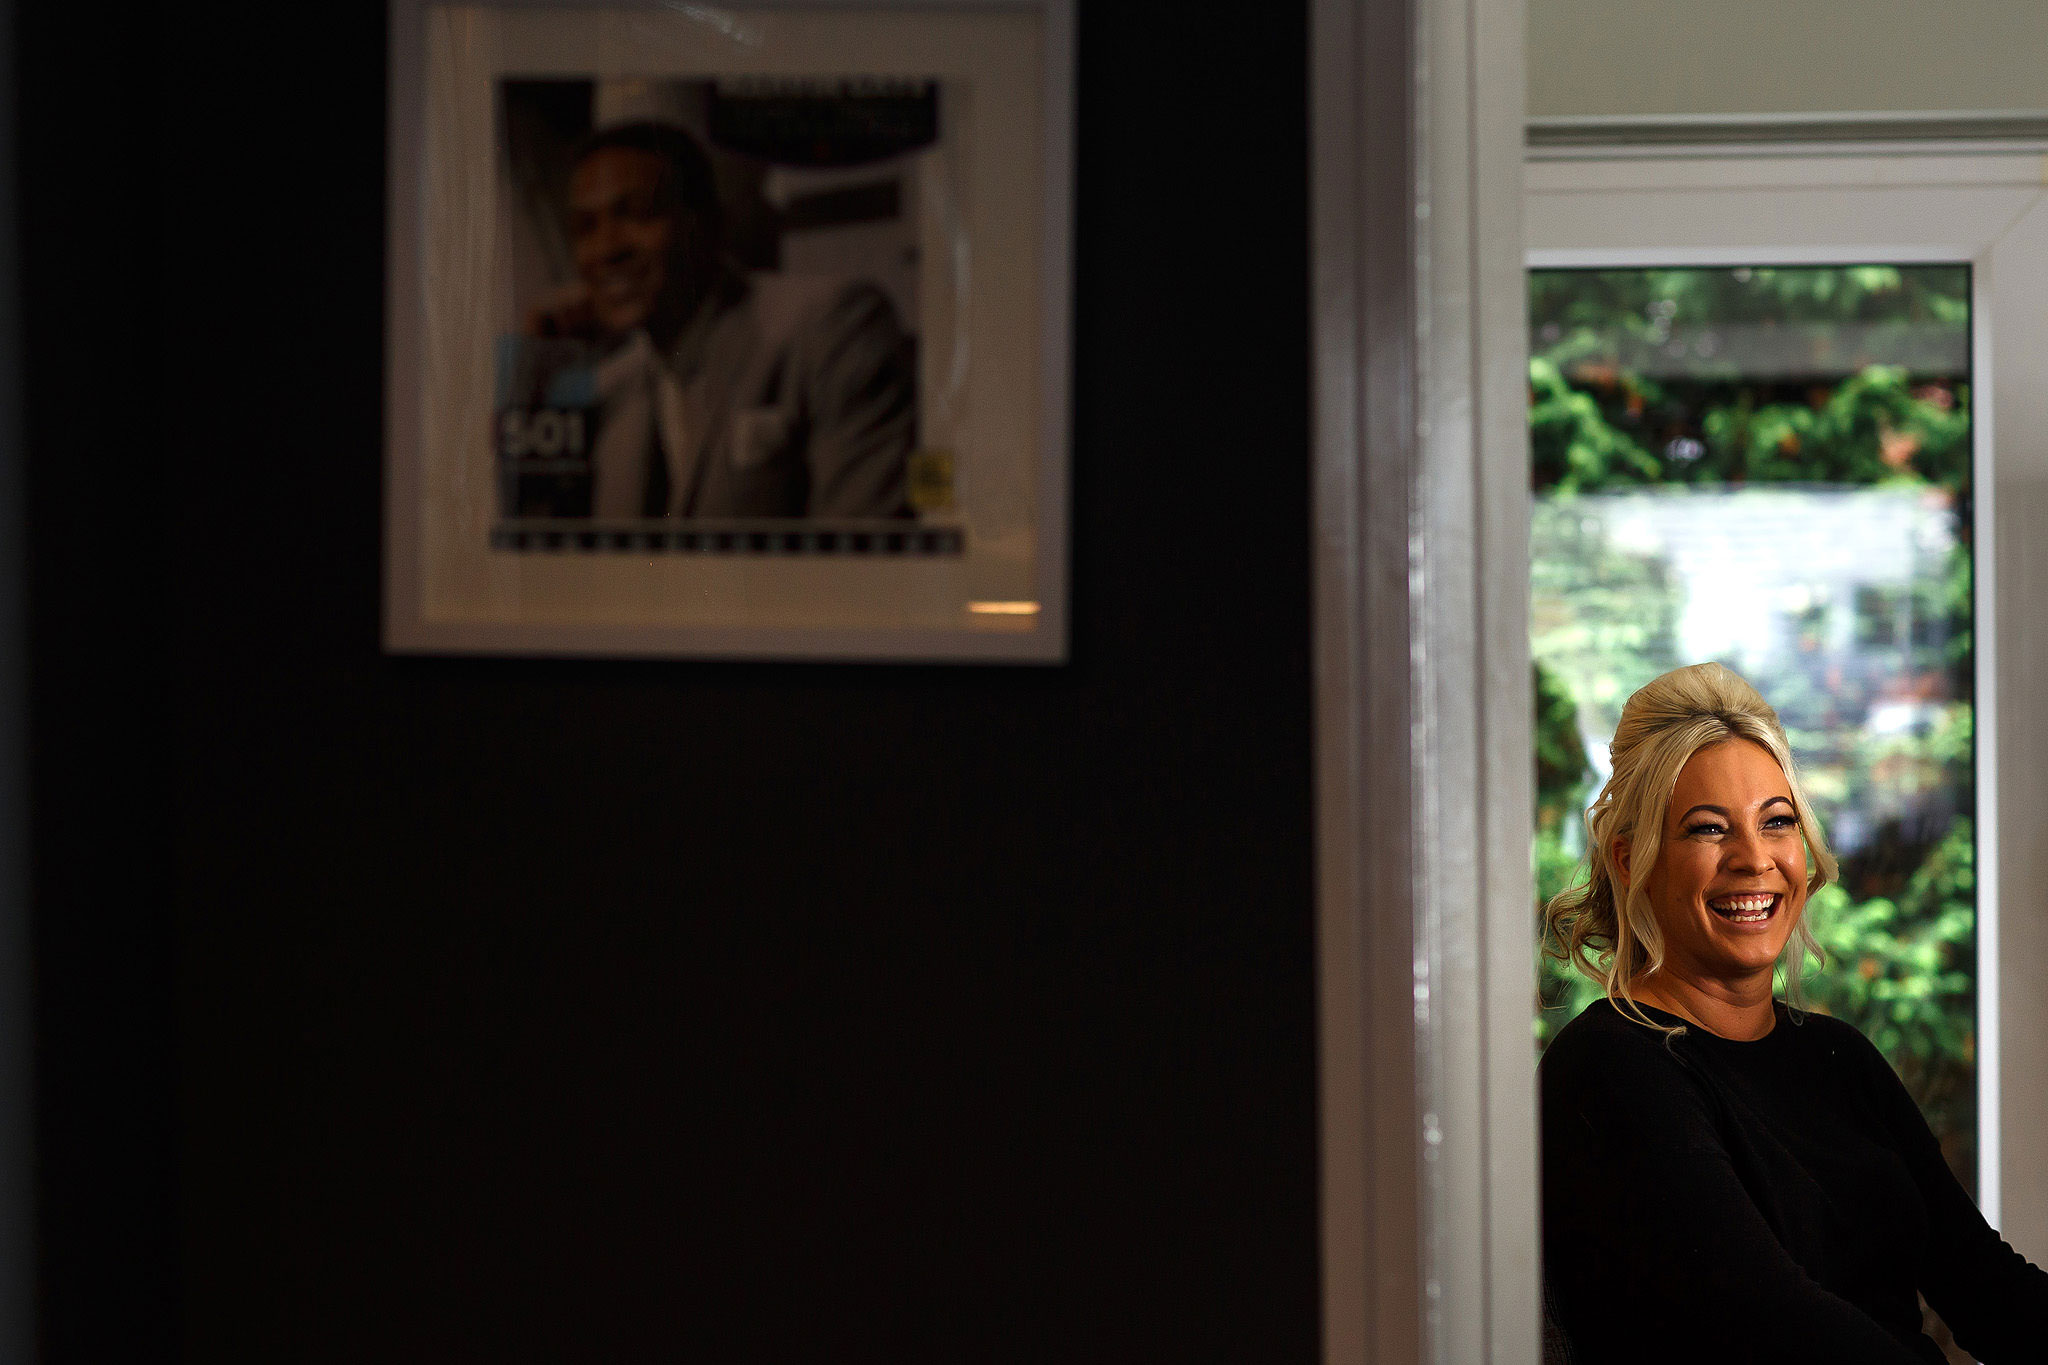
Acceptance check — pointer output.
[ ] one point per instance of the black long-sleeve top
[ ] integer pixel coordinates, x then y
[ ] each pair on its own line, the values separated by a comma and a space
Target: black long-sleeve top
1776, 1200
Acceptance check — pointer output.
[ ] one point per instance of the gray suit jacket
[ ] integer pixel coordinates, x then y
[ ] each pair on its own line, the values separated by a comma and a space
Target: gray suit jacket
787, 397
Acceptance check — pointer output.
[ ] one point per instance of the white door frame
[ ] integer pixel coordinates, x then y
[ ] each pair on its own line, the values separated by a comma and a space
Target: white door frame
1425, 935
1984, 202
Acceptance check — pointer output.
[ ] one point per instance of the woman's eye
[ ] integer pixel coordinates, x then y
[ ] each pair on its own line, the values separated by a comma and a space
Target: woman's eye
1781, 822
1707, 828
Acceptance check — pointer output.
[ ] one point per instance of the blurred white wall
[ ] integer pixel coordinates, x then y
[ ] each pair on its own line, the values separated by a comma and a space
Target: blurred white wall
1643, 58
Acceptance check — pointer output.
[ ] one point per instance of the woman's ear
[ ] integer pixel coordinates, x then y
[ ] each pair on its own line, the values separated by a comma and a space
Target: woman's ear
1617, 854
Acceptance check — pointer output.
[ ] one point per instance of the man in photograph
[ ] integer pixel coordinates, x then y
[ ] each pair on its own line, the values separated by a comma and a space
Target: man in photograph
721, 394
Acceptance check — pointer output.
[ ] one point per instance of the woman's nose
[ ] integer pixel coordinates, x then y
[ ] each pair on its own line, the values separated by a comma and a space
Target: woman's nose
1745, 852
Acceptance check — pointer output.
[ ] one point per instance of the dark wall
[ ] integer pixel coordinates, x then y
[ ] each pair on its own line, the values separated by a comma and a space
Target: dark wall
413, 1009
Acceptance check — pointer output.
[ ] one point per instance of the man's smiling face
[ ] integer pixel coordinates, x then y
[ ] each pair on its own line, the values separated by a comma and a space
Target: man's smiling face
631, 239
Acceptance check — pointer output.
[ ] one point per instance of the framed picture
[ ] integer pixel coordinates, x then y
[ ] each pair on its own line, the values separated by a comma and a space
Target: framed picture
731, 332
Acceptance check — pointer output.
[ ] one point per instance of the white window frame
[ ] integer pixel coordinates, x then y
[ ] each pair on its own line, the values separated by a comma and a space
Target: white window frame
1984, 203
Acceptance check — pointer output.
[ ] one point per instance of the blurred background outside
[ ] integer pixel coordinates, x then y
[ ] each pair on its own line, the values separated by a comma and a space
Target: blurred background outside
1771, 467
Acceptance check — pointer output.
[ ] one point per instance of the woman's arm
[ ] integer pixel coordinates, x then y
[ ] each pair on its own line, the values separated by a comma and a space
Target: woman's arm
1991, 1297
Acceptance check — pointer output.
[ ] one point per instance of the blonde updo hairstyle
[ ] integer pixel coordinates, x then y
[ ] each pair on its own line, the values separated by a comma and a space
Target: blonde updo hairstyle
1608, 931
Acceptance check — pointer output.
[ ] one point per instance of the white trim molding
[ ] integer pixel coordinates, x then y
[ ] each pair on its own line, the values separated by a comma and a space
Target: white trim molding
1425, 928
1637, 136
1980, 203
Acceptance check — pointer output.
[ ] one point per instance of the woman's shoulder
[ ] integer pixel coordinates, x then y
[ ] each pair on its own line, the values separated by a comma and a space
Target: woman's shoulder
1603, 1031
1826, 1031
1606, 1047
1837, 1043
1614, 1081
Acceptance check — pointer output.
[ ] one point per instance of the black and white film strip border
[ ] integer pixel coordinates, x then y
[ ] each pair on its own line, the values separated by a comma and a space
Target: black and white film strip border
910, 541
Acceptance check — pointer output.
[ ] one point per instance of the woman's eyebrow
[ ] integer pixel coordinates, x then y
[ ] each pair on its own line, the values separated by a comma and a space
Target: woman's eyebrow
1722, 811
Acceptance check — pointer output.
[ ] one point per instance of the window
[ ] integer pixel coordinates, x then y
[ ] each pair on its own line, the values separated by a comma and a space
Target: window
1772, 467
1978, 209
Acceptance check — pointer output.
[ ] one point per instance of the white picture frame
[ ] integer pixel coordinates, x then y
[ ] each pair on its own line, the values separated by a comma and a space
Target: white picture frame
952, 544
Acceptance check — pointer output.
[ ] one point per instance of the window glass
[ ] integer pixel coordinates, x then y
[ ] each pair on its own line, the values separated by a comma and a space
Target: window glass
1770, 467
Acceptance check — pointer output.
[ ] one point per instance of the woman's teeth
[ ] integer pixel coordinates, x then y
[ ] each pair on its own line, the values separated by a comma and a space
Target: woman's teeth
1744, 909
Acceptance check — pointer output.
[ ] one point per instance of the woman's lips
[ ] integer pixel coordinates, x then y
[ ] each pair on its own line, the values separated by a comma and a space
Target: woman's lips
1751, 907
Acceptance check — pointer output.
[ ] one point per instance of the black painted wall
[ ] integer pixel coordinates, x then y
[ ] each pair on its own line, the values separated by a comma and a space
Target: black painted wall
444, 1009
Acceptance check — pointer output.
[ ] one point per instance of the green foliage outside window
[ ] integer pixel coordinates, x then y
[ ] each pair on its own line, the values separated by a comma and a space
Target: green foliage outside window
1636, 379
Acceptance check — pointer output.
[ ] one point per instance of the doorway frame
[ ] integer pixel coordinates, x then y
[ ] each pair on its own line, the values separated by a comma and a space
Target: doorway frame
1425, 933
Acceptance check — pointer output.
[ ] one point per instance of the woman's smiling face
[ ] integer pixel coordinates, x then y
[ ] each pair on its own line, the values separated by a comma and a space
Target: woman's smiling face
1729, 882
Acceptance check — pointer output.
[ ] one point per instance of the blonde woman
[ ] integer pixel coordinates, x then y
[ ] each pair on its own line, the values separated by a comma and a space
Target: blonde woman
1724, 1177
